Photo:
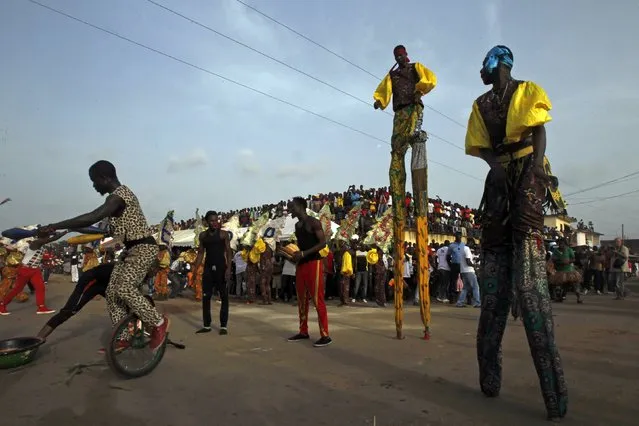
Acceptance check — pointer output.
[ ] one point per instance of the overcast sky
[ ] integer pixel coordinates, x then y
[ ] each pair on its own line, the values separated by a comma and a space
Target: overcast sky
182, 138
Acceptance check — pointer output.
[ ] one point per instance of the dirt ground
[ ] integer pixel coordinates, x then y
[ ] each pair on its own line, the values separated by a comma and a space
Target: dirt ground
254, 377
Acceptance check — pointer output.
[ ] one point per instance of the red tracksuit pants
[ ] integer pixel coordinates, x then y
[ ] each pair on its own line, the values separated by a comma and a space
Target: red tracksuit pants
309, 282
24, 276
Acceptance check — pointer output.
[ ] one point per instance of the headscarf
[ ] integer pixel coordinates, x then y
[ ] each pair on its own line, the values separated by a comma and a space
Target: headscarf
498, 55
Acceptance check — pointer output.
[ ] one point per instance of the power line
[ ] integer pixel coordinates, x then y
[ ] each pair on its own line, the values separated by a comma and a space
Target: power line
606, 198
189, 64
259, 52
321, 46
610, 182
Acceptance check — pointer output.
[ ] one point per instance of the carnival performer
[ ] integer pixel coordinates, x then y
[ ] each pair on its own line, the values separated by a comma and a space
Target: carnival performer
128, 224
346, 272
29, 272
379, 237
12, 261
161, 281
309, 275
269, 234
215, 242
253, 248
565, 275
407, 83
506, 130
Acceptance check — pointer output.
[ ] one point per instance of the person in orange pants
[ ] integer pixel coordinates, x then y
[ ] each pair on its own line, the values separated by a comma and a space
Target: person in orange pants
29, 272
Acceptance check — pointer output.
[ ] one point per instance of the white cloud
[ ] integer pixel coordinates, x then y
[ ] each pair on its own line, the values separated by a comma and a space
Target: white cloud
247, 162
196, 158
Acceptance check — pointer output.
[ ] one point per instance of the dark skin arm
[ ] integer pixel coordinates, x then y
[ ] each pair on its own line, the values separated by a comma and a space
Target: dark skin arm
113, 205
539, 151
39, 242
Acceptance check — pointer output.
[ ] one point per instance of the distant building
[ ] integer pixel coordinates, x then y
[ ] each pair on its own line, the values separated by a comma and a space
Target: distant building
558, 221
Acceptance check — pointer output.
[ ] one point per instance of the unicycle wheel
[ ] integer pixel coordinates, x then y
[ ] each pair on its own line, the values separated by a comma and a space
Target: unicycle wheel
128, 352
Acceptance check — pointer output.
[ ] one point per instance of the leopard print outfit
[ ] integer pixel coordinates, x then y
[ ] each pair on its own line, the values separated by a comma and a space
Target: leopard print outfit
123, 290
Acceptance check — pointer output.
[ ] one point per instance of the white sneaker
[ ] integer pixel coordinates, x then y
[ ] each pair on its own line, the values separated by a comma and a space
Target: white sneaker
352, 300
364, 300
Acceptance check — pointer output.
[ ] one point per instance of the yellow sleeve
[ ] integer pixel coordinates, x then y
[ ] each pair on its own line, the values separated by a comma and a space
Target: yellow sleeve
476, 134
529, 107
347, 265
384, 91
427, 79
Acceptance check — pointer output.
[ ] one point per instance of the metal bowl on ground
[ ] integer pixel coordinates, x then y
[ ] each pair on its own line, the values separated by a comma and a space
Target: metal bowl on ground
18, 351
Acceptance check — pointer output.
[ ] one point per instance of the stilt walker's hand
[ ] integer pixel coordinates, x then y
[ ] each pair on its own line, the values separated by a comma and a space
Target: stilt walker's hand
377, 105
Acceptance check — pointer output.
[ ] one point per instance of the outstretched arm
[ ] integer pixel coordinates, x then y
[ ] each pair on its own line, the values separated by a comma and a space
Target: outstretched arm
111, 207
39, 242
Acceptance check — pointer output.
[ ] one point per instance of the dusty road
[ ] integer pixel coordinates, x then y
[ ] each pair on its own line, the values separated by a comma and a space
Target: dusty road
254, 377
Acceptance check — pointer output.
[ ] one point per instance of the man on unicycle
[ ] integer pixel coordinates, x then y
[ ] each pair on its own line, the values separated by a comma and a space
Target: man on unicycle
128, 224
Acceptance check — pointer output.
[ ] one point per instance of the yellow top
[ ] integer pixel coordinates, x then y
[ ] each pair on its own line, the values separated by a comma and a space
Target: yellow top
427, 82
528, 108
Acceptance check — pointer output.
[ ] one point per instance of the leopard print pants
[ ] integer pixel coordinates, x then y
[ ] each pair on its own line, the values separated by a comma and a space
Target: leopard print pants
124, 287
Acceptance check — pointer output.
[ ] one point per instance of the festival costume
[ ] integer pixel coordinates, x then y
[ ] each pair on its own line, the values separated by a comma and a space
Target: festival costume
380, 236
13, 259
161, 282
256, 246
140, 252
270, 234
28, 272
513, 252
344, 235
90, 261
402, 83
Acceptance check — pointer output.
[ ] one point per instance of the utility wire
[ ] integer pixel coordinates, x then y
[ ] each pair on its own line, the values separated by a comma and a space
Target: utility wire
259, 52
321, 46
189, 64
610, 182
606, 198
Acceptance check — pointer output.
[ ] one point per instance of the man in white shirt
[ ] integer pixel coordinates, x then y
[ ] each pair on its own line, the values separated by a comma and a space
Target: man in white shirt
443, 270
469, 278
240, 274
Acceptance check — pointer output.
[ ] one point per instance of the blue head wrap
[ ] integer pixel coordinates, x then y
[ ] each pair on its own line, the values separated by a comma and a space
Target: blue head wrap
497, 55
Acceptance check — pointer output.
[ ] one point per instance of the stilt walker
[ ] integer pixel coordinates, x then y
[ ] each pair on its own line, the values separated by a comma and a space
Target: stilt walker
406, 83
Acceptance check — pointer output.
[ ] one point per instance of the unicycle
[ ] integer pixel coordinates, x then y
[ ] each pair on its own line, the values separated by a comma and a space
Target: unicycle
137, 359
